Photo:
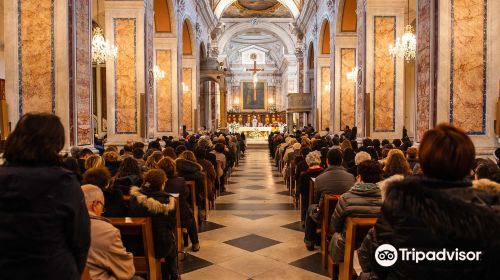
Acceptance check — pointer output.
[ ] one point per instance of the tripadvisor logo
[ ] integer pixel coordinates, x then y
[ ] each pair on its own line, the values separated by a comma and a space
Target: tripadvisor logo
386, 255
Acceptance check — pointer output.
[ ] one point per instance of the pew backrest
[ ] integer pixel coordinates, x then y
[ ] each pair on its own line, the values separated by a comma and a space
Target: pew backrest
137, 237
355, 231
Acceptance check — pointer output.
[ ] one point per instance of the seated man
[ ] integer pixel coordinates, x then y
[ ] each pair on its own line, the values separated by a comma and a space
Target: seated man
362, 200
107, 257
334, 180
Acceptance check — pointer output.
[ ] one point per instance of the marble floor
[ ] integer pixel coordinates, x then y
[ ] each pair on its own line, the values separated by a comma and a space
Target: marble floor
255, 232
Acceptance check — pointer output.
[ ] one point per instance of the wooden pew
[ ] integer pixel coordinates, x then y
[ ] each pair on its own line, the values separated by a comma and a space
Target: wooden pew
292, 178
178, 226
329, 204
137, 237
310, 195
205, 189
356, 230
192, 189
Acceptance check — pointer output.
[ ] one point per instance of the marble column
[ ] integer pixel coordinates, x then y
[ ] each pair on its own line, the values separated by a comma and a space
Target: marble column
125, 76
363, 127
425, 67
48, 64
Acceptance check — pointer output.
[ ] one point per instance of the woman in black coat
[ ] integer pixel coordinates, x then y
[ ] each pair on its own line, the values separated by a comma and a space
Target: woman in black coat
438, 211
151, 201
178, 185
44, 223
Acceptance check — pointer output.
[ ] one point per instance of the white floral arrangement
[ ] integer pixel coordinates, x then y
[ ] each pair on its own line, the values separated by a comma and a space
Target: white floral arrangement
234, 127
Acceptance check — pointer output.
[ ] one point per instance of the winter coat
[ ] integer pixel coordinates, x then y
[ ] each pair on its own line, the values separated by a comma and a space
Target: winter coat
362, 200
114, 204
178, 185
334, 180
124, 183
108, 259
303, 182
160, 206
44, 224
191, 171
430, 215
211, 176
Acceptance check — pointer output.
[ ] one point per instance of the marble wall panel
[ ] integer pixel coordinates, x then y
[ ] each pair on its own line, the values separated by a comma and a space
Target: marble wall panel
149, 61
325, 97
187, 103
164, 92
347, 88
36, 56
384, 91
468, 65
125, 76
423, 61
83, 73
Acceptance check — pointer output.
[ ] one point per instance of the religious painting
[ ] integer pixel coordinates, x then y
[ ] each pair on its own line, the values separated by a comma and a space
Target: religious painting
254, 98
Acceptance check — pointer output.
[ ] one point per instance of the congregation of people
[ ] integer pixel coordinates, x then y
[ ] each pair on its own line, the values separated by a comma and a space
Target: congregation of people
436, 195
55, 209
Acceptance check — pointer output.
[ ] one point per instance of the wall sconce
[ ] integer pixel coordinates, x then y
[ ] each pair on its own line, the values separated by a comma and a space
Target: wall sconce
270, 100
353, 75
185, 88
328, 86
236, 101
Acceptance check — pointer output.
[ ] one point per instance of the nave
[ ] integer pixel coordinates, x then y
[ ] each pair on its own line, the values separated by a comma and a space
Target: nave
254, 231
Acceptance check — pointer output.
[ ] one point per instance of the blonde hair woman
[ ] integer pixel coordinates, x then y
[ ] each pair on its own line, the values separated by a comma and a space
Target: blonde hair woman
94, 161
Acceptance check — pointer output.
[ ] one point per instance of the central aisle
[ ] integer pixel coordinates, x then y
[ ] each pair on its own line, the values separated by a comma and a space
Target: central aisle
255, 231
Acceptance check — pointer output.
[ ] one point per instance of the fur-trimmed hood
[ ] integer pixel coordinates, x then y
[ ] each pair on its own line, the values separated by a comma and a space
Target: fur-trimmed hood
153, 205
448, 209
487, 185
385, 183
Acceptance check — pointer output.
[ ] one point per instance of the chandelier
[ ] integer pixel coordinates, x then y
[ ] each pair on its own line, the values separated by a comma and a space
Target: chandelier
102, 50
406, 46
353, 75
158, 74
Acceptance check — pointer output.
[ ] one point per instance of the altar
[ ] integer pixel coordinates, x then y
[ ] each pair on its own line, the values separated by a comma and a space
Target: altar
257, 134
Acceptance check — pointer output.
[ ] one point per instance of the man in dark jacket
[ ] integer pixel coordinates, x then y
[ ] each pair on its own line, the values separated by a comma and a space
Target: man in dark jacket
334, 180
362, 200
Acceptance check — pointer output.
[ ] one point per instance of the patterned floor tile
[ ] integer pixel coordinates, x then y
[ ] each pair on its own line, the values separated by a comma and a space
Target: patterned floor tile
252, 242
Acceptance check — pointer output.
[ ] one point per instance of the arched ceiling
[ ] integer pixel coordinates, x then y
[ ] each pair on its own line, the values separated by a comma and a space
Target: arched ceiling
258, 8
261, 39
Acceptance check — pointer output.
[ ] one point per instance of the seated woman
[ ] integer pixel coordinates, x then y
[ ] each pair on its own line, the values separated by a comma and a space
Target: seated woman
115, 204
151, 201
220, 156
396, 164
129, 174
190, 170
362, 200
153, 159
209, 169
112, 161
178, 185
437, 211
313, 160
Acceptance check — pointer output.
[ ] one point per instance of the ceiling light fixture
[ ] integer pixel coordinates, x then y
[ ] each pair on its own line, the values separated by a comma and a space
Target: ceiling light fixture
406, 46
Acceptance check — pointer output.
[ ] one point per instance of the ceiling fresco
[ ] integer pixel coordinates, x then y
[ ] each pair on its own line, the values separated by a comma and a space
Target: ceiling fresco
257, 9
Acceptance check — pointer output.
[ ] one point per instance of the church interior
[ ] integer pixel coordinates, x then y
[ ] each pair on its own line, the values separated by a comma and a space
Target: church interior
249, 139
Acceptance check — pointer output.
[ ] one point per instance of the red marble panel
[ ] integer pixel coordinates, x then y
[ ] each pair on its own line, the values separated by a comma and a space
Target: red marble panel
423, 62
83, 73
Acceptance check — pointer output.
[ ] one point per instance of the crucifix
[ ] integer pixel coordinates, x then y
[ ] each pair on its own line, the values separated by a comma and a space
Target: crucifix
254, 71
